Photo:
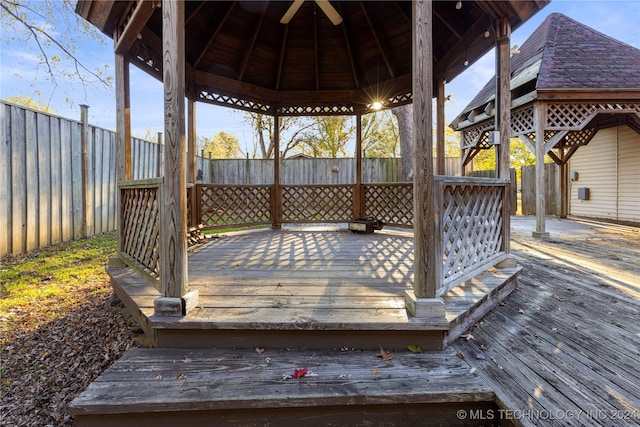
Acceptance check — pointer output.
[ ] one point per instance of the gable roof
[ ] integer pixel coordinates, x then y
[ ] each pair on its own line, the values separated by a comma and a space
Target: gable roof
564, 54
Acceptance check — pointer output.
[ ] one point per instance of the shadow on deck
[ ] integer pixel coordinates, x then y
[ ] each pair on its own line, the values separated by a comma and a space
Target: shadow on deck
308, 288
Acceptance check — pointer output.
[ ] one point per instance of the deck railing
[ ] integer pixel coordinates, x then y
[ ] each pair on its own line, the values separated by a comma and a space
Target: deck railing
317, 203
473, 218
474, 230
139, 231
222, 206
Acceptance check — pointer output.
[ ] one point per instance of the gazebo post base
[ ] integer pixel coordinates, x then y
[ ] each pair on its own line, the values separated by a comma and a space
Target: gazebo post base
509, 262
540, 235
175, 307
424, 307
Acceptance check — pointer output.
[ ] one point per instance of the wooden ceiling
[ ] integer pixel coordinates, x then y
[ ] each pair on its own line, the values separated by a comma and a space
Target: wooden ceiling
238, 53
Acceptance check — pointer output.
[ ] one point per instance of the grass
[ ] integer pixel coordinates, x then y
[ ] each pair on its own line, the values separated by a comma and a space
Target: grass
45, 274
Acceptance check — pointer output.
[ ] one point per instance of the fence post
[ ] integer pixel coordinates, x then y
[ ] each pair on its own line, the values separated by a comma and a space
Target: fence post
84, 144
159, 154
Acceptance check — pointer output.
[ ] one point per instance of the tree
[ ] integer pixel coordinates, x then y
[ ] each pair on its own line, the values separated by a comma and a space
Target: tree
332, 133
56, 30
292, 133
222, 146
380, 137
404, 115
28, 102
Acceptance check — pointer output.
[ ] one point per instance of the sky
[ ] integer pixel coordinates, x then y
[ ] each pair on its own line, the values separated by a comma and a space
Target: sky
21, 74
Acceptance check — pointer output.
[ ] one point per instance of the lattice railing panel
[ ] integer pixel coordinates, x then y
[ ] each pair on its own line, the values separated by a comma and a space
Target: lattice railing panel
522, 121
317, 203
472, 227
231, 205
140, 228
573, 116
390, 203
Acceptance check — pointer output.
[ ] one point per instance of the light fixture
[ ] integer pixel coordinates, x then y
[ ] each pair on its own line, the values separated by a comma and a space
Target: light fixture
466, 62
515, 50
376, 106
458, 5
487, 34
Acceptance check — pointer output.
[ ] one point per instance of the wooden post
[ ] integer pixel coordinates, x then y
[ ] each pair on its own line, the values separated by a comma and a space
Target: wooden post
191, 141
173, 218
539, 119
564, 185
422, 301
503, 119
123, 119
358, 197
440, 167
87, 209
276, 200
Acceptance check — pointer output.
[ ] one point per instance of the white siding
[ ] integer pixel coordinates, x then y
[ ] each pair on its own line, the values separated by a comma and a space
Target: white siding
596, 164
629, 174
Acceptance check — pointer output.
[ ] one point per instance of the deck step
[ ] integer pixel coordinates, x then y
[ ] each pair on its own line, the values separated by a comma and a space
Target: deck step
198, 387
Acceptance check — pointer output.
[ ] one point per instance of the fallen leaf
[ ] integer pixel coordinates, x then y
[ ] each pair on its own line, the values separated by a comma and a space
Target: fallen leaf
473, 371
386, 355
483, 347
468, 337
181, 376
460, 355
259, 350
186, 360
299, 373
414, 348
279, 285
502, 303
521, 311
158, 377
576, 325
375, 371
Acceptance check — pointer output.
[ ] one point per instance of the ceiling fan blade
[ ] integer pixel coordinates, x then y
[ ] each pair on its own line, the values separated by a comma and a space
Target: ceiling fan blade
330, 11
291, 11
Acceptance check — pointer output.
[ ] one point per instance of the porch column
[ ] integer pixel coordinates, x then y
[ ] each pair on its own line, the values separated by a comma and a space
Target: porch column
539, 120
276, 196
503, 120
422, 301
358, 196
440, 167
173, 216
123, 131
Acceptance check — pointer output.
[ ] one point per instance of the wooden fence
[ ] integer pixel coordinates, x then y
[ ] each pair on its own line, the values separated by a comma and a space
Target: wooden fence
57, 178
551, 189
308, 171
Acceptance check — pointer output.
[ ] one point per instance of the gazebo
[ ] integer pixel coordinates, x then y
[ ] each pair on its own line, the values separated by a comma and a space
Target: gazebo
322, 294
310, 58
568, 82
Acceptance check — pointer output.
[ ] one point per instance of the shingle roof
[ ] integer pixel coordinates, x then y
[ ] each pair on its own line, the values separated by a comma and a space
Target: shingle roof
573, 56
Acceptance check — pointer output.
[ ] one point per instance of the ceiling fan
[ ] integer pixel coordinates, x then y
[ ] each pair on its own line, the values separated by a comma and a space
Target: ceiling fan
326, 7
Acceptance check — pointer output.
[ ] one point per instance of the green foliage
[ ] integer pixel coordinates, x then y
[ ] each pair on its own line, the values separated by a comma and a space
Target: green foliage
55, 31
222, 146
28, 102
380, 137
292, 134
330, 137
47, 272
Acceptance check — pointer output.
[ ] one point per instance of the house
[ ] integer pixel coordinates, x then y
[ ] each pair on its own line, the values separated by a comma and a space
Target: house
576, 97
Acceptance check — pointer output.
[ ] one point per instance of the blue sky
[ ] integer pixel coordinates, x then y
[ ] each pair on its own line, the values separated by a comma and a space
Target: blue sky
20, 74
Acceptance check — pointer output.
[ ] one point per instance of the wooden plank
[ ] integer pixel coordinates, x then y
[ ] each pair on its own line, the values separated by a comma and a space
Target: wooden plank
96, 185
76, 164
66, 181
31, 182
56, 183
44, 179
339, 378
5, 180
104, 182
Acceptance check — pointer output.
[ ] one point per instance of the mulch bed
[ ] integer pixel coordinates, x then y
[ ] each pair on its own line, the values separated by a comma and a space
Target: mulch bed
44, 364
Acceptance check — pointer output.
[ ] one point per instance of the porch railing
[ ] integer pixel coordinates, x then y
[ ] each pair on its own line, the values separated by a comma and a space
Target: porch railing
139, 231
474, 223
474, 229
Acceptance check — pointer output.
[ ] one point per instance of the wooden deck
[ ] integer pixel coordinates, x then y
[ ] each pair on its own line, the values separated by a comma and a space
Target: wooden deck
207, 387
308, 288
565, 347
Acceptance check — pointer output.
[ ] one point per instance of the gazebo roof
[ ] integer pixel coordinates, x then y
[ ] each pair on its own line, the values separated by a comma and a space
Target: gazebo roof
239, 54
565, 55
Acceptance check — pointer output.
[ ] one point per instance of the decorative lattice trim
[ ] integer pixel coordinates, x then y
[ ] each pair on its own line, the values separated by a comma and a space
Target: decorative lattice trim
229, 205
522, 121
567, 116
478, 136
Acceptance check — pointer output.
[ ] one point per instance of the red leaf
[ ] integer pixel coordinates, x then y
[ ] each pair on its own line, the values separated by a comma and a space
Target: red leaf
299, 373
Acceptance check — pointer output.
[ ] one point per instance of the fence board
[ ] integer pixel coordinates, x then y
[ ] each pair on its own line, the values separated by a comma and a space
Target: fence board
551, 190
76, 168
43, 169
55, 222
5, 179
32, 222
66, 181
